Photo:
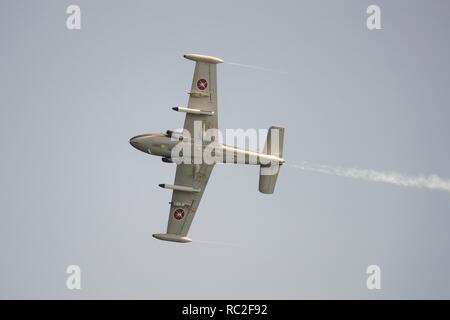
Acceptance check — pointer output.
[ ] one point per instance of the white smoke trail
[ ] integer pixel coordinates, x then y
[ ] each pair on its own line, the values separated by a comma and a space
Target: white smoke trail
217, 243
256, 67
432, 182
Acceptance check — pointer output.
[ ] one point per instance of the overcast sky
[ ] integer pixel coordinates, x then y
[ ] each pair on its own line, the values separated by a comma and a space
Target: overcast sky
74, 192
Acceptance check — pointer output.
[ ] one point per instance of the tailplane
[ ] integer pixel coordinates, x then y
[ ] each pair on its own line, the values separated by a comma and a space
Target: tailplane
268, 174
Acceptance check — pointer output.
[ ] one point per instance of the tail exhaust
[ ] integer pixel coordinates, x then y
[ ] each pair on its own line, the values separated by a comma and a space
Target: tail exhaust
268, 174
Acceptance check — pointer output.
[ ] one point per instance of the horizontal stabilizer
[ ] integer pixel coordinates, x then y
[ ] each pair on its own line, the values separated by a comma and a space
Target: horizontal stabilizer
171, 237
267, 182
274, 141
268, 174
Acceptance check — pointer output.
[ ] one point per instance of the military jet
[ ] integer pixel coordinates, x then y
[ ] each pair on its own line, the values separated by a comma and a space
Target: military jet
192, 176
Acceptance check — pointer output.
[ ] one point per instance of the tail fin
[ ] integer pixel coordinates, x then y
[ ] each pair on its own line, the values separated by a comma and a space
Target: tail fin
268, 174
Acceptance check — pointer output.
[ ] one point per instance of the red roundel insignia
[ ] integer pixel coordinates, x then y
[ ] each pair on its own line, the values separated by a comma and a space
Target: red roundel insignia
178, 214
202, 84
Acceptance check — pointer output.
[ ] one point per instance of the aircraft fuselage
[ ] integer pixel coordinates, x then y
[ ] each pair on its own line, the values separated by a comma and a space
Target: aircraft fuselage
162, 144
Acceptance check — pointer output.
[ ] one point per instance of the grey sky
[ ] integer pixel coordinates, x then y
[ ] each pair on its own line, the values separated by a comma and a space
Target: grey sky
73, 191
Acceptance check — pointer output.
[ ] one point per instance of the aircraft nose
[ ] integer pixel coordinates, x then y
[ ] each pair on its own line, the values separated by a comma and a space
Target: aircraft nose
137, 143
133, 142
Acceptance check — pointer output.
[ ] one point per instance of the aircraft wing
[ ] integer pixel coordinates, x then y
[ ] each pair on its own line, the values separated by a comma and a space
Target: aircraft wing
203, 94
184, 203
191, 179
